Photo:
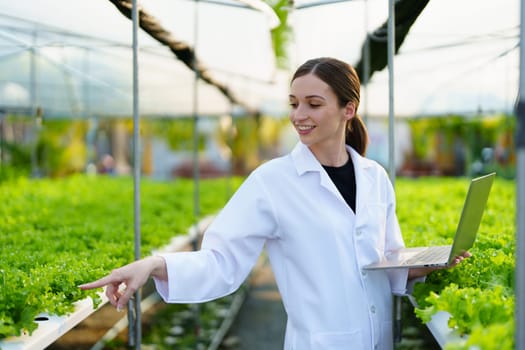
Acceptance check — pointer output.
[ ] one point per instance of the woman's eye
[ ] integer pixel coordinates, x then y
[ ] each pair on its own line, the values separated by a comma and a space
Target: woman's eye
293, 105
314, 105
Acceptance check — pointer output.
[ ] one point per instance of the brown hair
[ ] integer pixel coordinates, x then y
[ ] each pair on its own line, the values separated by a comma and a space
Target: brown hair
343, 80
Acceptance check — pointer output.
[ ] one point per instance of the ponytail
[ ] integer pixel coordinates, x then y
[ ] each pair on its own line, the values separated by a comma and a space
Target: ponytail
357, 135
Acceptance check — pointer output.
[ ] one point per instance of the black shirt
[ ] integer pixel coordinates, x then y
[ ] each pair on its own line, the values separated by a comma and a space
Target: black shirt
344, 179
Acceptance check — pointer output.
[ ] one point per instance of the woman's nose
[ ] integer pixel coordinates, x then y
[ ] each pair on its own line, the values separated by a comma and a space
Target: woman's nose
298, 114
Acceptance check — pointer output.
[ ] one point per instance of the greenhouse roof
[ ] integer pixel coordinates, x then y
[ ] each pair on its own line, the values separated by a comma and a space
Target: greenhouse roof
74, 59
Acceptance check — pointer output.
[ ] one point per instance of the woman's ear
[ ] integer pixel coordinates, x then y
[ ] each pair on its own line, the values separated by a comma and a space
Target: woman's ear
349, 110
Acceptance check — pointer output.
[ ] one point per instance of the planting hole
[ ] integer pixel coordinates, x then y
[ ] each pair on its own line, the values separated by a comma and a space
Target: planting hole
41, 318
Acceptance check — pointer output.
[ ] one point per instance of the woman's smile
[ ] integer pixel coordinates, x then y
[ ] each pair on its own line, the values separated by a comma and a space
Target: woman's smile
304, 129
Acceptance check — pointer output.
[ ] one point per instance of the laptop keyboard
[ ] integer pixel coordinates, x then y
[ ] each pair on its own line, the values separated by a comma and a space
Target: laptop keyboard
430, 255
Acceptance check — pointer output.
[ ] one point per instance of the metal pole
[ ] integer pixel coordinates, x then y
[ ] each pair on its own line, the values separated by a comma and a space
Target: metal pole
2, 141
391, 142
134, 313
520, 244
366, 63
92, 120
196, 170
520, 200
35, 169
391, 52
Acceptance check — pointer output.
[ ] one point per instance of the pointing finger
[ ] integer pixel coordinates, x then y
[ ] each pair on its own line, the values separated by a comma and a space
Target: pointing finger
99, 283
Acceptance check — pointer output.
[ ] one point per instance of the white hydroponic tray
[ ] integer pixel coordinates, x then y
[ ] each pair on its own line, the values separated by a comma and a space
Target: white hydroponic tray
51, 327
439, 328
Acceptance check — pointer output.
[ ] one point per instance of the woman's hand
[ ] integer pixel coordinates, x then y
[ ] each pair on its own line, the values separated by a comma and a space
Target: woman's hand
423, 271
123, 282
460, 258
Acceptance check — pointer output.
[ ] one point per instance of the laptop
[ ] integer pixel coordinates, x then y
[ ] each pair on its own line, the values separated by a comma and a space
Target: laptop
464, 238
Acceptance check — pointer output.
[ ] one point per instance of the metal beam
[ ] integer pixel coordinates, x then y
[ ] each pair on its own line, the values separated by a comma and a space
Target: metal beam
520, 198
134, 312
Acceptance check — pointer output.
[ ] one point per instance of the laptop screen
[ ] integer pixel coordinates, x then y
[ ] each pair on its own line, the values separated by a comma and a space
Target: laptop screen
473, 208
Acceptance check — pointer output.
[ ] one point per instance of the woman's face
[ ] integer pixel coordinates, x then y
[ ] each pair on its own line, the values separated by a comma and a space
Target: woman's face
316, 114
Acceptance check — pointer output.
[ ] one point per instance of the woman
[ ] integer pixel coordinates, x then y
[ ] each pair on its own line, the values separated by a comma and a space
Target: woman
323, 212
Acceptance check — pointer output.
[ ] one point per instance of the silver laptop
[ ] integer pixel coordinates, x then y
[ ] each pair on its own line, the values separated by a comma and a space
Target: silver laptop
466, 232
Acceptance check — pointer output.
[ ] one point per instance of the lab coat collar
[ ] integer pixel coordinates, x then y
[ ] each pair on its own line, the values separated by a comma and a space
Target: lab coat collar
304, 161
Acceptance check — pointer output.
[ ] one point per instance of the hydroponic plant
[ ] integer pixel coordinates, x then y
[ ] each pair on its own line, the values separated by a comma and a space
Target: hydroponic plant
57, 234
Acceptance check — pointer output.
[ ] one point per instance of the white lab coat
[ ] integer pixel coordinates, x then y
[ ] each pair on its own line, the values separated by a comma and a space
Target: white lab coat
316, 247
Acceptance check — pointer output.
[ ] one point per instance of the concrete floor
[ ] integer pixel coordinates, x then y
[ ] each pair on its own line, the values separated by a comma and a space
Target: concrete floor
261, 321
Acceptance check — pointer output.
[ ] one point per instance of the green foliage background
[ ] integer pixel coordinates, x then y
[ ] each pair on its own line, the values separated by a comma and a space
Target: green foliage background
434, 139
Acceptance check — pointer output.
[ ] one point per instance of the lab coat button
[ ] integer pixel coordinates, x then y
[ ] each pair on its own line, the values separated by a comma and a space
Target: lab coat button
373, 309
359, 232
363, 273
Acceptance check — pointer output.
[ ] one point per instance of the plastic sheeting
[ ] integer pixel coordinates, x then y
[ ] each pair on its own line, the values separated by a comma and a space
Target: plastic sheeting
459, 57
74, 59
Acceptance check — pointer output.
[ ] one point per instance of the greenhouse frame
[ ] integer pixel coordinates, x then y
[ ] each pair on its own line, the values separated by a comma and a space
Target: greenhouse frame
76, 70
